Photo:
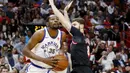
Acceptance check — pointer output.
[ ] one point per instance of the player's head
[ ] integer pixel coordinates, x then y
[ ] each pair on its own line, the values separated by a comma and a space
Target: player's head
53, 22
78, 23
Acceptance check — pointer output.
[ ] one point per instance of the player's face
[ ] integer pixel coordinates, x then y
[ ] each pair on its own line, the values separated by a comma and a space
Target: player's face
54, 22
76, 24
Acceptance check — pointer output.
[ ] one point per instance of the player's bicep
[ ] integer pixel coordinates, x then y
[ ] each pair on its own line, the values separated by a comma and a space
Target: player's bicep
35, 39
67, 25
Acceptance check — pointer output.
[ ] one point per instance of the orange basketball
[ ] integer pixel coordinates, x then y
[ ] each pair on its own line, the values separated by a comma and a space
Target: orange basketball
62, 63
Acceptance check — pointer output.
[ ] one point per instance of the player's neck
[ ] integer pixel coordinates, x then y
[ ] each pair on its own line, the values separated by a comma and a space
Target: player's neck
53, 32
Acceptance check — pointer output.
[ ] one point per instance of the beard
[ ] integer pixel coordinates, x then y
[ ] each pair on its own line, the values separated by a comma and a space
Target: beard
55, 26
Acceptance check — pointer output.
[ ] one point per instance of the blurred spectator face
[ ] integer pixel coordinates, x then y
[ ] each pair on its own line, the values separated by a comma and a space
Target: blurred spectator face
1, 11
38, 16
8, 41
1, 67
7, 65
21, 59
110, 48
43, 5
118, 56
3, 14
9, 52
122, 43
29, 33
22, 39
62, 6
17, 33
19, 9
14, 51
104, 53
12, 21
112, 43
9, 8
127, 68
122, 51
50, 11
4, 70
5, 48
99, 13
1, 35
102, 46
116, 30
98, 41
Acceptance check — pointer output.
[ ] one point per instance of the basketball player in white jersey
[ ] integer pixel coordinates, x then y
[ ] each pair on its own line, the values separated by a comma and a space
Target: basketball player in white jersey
44, 44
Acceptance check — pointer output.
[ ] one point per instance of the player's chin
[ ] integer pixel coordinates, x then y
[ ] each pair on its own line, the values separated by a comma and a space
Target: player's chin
56, 27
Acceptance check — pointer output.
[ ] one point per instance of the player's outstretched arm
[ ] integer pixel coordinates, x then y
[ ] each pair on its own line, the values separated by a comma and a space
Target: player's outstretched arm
66, 24
66, 9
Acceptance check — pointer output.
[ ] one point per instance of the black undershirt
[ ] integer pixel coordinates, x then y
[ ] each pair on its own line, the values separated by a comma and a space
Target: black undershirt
78, 49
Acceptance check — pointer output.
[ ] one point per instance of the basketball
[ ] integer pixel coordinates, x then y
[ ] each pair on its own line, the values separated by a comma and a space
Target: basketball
62, 63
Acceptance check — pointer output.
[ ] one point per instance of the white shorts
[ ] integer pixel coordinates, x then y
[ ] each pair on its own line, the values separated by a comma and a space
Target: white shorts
35, 69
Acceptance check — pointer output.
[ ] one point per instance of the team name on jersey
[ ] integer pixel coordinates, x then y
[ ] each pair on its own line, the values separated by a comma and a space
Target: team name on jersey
51, 43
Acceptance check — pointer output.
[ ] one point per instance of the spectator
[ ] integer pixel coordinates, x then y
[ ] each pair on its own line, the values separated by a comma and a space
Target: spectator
28, 36
16, 38
19, 66
44, 9
4, 50
9, 57
111, 8
4, 70
119, 63
38, 20
19, 46
124, 55
9, 13
2, 41
111, 55
105, 63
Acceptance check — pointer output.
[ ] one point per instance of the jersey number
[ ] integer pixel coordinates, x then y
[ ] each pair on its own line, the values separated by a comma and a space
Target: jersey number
51, 50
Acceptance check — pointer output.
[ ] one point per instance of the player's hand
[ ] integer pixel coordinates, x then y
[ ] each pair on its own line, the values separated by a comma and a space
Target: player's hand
68, 6
51, 61
51, 2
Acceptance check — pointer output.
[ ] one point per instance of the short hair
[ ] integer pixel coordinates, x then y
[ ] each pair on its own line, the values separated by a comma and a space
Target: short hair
80, 20
49, 17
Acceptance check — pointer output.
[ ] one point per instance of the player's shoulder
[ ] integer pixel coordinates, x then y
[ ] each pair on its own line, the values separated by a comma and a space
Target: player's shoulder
39, 33
63, 35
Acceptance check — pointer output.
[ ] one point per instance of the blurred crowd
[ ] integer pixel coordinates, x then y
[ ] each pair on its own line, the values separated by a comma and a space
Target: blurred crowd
107, 31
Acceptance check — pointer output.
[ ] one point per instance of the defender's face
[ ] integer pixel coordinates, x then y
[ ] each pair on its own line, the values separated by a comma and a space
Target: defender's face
76, 24
54, 22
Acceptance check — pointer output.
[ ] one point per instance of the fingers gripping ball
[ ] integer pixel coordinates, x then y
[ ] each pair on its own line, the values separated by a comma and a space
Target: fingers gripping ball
62, 63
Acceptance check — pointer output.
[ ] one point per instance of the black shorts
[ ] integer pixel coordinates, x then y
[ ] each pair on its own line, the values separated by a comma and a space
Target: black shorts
81, 69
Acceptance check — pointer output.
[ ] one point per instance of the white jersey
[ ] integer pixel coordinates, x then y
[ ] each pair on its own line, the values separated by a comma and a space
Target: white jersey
47, 47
